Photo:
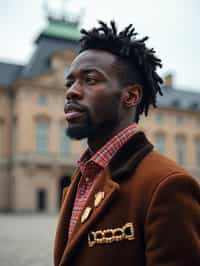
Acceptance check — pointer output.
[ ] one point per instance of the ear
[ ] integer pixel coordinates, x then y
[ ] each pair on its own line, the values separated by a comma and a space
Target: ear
132, 95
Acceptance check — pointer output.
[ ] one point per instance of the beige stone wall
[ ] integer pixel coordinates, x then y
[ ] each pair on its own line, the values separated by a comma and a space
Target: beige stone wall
175, 123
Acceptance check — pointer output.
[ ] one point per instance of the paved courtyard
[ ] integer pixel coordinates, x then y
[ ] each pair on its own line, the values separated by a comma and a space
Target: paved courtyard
27, 240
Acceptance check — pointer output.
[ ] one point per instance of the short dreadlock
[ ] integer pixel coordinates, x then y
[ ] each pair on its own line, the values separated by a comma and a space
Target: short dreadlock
138, 63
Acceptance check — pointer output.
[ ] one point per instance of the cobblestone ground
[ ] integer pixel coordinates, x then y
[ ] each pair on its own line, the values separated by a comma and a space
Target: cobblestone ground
27, 240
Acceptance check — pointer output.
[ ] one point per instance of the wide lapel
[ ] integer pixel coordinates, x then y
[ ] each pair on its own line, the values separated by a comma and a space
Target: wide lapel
61, 236
110, 188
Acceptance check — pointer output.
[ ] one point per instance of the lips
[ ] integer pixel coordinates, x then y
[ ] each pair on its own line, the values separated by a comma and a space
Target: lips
73, 115
73, 111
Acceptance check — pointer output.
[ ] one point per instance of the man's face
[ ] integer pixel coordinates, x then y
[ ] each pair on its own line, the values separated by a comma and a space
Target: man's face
93, 95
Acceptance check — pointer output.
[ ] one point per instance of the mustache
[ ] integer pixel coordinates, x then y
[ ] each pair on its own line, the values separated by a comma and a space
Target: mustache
74, 106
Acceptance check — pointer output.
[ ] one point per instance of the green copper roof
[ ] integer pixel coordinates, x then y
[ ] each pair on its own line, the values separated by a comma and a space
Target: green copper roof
63, 29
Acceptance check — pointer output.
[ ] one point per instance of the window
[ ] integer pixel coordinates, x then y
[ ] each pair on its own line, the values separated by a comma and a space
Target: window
42, 99
198, 122
159, 118
42, 129
197, 144
64, 142
1, 139
41, 199
179, 120
180, 149
160, 143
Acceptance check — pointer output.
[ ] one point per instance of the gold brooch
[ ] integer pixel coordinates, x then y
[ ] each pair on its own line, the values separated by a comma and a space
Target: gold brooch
98, 197
86, 214
125, 232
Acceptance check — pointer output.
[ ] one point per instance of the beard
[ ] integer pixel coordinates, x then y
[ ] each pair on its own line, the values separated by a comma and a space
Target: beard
81, 131
91, 130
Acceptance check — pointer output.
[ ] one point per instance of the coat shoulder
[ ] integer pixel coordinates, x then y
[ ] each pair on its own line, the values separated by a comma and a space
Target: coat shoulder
152, 171
156, 167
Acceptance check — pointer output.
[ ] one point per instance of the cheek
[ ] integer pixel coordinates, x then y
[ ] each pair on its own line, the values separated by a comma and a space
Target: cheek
106, 105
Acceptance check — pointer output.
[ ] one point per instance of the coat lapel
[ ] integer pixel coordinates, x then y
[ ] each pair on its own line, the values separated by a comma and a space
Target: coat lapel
110, 188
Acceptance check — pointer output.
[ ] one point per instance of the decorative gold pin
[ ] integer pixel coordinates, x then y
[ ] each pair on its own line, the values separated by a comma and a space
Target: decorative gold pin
108, 236
98, 198
86, 214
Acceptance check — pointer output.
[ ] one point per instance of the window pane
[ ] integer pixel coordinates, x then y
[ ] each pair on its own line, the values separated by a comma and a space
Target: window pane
160, 143
198, 152
64, 142
159, 118
42, 137
180, 149
1, 140
42, 100
179, 120
198, 122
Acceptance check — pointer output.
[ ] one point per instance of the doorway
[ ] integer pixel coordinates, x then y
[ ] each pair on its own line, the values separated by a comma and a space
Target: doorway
41, 200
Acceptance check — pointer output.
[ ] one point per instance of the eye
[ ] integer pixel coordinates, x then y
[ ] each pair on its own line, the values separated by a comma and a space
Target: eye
91, 80
69, 83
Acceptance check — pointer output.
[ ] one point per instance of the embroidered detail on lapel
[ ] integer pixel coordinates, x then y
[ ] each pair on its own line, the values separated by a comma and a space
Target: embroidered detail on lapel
106, 236
86, 214
98, 197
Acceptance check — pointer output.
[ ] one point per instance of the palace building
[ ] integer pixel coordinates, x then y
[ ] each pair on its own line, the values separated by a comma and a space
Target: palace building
36, 158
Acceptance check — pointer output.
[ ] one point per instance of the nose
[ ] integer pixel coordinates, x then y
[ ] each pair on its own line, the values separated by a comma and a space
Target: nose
75, 92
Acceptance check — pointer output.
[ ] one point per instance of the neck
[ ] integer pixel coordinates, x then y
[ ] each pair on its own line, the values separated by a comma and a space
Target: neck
104, 136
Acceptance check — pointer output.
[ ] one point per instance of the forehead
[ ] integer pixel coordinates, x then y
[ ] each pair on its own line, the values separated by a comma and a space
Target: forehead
93, 59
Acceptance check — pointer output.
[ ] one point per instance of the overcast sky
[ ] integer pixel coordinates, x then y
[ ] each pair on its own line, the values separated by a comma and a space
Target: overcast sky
172, 25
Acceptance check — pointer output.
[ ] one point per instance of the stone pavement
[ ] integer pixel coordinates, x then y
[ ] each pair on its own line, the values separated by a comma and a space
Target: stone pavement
27, 240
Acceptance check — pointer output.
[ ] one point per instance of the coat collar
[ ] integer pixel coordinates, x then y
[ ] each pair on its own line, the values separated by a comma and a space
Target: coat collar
121, 166
128, 157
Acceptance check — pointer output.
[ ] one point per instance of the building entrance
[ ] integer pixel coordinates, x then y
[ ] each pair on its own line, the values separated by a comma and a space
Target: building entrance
41, 200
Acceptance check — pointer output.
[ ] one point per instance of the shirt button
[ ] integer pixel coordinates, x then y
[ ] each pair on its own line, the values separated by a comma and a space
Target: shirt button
87, 179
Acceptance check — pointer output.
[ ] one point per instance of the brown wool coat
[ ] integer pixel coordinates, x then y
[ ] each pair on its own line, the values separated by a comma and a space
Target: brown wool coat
160, 199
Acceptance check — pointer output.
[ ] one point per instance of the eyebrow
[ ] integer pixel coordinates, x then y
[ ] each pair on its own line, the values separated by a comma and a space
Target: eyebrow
86, 71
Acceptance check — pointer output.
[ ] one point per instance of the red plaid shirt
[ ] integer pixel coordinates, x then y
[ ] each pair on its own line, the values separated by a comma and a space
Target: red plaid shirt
91, 166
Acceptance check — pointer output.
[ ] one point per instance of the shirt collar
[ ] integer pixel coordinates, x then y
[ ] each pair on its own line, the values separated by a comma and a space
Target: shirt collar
103, 156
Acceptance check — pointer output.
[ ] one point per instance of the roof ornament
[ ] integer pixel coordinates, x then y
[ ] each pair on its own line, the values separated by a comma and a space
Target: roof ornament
62, 11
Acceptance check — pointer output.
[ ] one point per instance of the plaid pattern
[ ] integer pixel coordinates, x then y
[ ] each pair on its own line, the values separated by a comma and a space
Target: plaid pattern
91, 166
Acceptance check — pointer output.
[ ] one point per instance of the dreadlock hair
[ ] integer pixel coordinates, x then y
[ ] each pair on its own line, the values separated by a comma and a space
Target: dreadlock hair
135, 62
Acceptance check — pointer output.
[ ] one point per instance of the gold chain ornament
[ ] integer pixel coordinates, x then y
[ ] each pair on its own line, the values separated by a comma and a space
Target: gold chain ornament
111, 235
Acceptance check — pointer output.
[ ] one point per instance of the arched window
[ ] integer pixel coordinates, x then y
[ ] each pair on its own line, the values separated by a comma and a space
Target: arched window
180, 149
64, 142
42, 136
160, 142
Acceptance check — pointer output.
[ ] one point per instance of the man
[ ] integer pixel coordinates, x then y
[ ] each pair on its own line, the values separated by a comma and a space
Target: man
126, 204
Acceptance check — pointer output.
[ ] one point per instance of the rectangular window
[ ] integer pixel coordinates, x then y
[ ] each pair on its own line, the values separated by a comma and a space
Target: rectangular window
42, 129
180, 150
64, 142
1, 140
198, 122
159, 118
160, 143
41, 200
42, 99
179, 120
198, 152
